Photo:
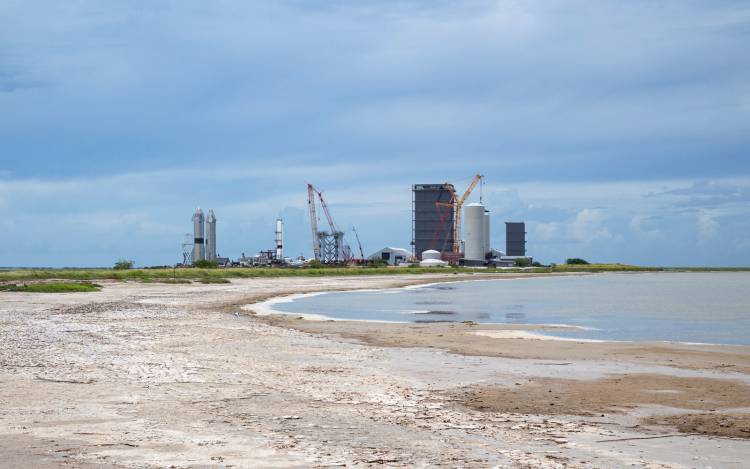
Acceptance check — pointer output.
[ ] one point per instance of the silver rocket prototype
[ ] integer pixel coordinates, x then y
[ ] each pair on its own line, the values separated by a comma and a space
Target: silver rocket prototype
279, 239
199, 248
211, 236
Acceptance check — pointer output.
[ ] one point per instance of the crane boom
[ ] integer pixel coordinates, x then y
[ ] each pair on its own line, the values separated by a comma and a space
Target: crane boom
327, 246
313, 220
327, 212
458, 205
361, 251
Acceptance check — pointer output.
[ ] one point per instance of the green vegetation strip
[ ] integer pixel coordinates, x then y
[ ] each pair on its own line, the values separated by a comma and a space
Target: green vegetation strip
57, 287
218, 275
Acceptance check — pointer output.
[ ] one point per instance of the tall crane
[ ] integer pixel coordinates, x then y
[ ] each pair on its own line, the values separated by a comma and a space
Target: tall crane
446, 209
327, 212
361, 251
335, 250
457, 206
313, 220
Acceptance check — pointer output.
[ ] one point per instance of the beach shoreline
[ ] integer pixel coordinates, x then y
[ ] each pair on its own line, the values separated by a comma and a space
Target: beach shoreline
153, 375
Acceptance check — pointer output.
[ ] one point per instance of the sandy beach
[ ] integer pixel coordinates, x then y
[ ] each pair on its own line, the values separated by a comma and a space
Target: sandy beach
194, 375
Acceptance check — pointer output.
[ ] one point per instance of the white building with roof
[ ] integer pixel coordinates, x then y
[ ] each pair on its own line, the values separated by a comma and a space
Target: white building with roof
391, 255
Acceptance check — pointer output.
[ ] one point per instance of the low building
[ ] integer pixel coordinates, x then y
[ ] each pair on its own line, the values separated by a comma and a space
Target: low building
393, 256
510, 261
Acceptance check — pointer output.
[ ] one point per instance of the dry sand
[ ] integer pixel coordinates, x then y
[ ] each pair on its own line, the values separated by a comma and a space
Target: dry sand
152, 375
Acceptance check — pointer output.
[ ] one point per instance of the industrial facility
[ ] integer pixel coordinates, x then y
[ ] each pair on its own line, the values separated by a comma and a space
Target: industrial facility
329, 246
438, 237
437, 214
515, 238
432, 218
203, 245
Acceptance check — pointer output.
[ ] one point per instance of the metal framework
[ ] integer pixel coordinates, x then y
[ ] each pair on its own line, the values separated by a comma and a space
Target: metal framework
187, 249
328, 246
313, 221
457, 207
359, 243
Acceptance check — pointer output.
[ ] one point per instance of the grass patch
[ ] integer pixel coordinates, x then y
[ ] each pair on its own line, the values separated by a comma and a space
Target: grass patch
183, 275
55, 287
170, 280
214, 280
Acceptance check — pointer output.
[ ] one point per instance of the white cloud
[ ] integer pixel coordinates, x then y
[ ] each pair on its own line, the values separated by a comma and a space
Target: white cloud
708, 227
588, 226
642, 226
546, 231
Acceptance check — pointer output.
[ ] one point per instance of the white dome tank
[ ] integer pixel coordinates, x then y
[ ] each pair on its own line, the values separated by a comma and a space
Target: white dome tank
433, 263
474, 226
430, 254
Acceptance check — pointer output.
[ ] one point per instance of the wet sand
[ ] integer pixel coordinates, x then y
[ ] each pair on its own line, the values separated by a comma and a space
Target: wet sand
152, 375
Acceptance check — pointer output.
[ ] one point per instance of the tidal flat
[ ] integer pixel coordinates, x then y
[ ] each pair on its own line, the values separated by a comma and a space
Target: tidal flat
155, 375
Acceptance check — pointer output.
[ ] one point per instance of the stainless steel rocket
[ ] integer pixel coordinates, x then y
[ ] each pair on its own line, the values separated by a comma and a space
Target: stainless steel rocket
211, 236
279, 239
199, 248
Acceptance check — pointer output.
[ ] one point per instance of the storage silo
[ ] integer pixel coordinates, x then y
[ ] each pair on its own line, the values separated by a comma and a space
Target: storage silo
474, 225
487, 247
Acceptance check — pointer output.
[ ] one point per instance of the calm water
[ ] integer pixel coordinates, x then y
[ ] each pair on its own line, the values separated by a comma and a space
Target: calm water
684, 307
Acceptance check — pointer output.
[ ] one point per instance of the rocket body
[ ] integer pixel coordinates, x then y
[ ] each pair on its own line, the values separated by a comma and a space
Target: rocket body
211, 236
279, 239
199, 247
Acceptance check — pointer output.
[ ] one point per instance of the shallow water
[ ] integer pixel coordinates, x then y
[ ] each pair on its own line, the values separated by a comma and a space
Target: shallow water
681, 307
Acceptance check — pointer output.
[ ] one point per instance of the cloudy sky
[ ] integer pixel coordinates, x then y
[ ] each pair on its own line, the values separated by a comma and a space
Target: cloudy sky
619, 131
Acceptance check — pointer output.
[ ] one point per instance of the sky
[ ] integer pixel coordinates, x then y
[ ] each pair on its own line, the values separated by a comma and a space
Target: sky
618, 131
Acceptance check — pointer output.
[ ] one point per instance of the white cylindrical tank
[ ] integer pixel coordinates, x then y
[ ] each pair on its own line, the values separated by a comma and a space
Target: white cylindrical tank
430, 254
199, 248
487, 246
474, 232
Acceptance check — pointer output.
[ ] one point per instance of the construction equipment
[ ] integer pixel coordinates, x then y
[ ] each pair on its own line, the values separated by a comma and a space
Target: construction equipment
328, 246
448, 207
457, 207
361, 251
313, 221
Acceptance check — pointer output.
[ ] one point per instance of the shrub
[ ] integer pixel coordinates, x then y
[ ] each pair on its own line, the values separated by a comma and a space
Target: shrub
315, 264
576, 261
213, 280
205, 264
124, 264
523, 262
53, 287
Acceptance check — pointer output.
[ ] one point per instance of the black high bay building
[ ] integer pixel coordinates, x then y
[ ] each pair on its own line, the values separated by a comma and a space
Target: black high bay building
515, 238
432, 218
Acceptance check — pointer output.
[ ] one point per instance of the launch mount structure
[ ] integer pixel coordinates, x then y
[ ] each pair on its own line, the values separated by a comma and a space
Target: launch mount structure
328, 246
187, 249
